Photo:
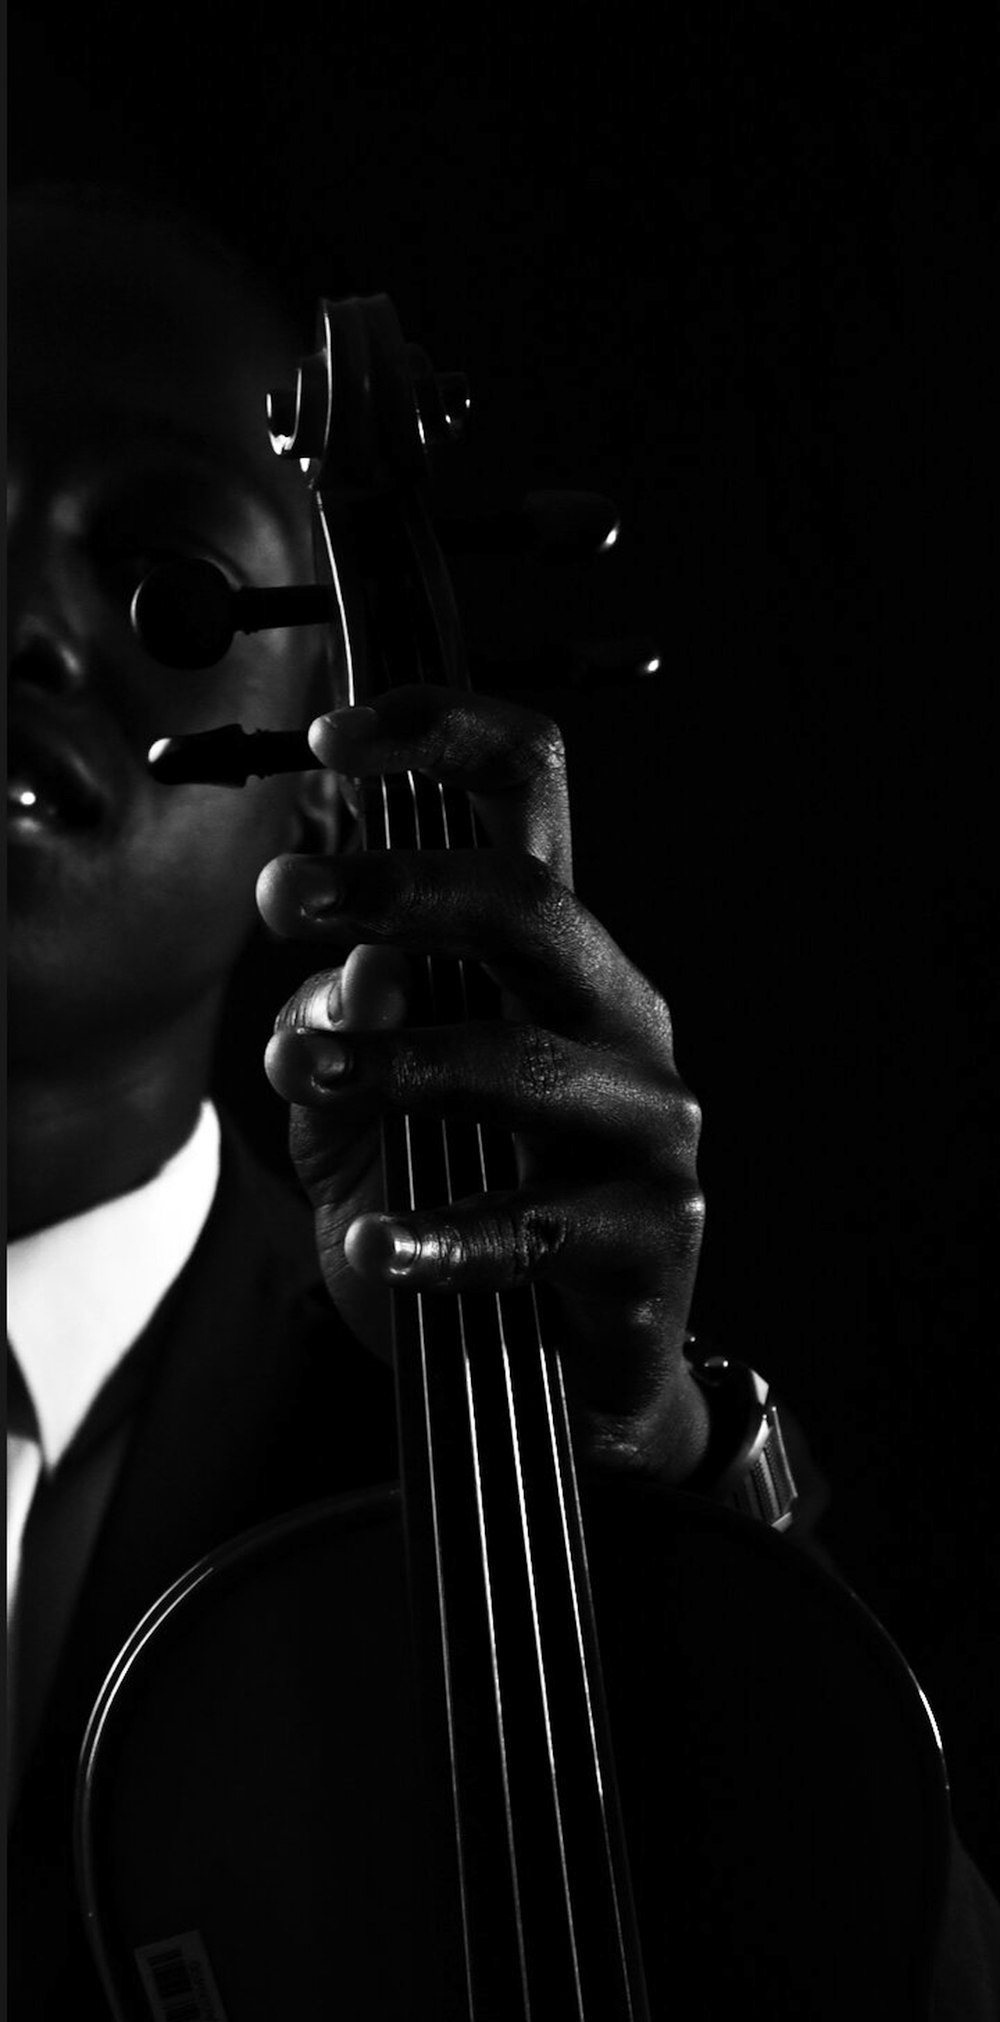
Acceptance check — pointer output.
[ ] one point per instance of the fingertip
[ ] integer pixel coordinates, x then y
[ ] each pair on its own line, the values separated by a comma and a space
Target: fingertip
274, 1058
333, 736
375, 988
378, 1247
318, 738
268, 889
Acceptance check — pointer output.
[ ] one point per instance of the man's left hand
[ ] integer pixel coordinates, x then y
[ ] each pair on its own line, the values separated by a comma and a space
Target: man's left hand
607, 1212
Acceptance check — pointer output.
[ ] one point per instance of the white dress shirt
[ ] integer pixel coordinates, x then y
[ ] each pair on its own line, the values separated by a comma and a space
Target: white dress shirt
80, 1293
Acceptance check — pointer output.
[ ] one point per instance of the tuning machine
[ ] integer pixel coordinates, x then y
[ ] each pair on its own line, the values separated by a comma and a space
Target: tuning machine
187, 615
552, 526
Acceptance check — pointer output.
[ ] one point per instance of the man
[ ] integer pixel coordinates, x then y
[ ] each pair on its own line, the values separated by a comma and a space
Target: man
164, 1393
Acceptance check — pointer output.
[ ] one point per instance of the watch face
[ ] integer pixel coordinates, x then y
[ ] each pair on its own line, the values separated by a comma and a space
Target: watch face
767, 1490
756, 1479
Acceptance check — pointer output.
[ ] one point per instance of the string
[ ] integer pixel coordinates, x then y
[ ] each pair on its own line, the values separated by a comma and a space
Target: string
529, 1568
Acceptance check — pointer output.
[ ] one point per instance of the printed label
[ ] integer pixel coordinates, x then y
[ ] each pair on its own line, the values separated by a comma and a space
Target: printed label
179, 1982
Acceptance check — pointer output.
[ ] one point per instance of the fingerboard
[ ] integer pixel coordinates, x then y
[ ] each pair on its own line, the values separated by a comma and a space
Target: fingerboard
520, 1774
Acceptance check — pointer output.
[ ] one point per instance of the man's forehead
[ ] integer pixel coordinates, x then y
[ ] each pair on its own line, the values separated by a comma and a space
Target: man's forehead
159, 441
157, 348
102, 281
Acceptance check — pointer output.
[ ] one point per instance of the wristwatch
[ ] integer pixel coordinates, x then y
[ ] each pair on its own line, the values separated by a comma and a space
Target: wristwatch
745, 1465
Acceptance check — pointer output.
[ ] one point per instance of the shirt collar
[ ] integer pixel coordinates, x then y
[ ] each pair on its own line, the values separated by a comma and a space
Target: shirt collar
80, 1293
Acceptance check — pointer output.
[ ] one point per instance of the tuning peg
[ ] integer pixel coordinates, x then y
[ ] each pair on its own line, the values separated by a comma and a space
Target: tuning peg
442, 402
557, 526
229, 756
187, 615
611, 664
298, 417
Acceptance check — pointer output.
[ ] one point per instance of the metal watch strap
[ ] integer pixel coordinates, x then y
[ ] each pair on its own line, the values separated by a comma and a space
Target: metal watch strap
746, 1466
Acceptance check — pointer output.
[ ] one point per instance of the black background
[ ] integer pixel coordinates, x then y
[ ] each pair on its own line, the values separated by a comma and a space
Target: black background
744, 280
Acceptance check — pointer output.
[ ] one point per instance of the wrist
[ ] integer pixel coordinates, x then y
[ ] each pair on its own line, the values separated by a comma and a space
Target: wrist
665, 1446
678, 1452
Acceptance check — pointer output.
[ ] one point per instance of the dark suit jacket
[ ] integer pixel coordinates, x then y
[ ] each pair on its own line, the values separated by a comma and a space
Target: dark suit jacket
253, 1399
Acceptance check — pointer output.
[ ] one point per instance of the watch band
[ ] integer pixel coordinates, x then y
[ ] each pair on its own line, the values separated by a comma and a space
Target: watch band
746, 1465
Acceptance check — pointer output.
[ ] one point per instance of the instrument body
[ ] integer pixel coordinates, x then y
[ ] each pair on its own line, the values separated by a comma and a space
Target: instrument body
366, 1754
250, 1776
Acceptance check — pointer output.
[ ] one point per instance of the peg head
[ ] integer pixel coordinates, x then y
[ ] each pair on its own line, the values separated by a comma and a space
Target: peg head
298, 419
182, 612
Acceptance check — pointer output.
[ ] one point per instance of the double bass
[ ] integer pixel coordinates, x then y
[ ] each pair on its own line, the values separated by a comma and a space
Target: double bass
494, 1742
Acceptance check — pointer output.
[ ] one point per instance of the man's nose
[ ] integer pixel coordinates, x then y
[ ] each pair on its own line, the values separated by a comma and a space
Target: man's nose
41, 658
48, 632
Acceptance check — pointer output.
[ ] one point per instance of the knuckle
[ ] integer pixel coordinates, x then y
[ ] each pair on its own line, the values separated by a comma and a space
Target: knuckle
544, 898
679, 1123
382, 892
410, 1071
543, 746
683, 1220
687, 1222
479, 1246
675, 1137
317, 1003
504, 1243
559, 913
661, 1023
541, 1063
689, 1118
451, 1249
520, 743
538, 1238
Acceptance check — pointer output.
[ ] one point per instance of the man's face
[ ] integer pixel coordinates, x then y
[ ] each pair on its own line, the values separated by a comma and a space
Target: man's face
137, 432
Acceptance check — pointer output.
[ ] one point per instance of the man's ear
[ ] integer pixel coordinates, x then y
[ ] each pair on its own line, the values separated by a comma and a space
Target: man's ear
325, 815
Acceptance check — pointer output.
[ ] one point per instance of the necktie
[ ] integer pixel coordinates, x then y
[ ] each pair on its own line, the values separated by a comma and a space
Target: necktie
53, 1522
24, 1465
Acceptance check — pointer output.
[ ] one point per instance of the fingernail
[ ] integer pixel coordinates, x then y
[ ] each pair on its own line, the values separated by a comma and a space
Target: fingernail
402, 1246
376, 1243
316, 1007
320, 905
330, 1062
